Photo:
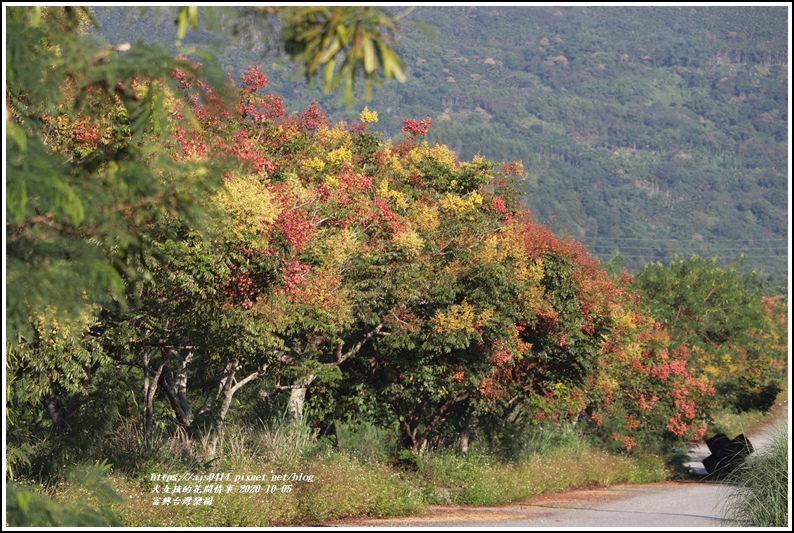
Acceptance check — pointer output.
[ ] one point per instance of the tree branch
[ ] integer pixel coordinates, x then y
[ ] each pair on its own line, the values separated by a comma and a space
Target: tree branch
251, 377
340, 358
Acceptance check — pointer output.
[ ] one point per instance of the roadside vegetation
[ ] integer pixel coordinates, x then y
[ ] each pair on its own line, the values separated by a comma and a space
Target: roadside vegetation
732, 423
365, 475
201, 284
761, 498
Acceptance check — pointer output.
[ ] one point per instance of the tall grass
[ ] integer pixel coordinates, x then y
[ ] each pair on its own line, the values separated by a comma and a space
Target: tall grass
365, 475
482, 479
761, 495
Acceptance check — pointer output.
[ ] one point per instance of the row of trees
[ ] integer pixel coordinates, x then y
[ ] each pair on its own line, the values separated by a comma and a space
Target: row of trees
222, 254
415, 276
87, 169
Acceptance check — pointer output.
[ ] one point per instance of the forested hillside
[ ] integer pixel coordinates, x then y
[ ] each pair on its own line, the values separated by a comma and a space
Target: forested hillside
648, 131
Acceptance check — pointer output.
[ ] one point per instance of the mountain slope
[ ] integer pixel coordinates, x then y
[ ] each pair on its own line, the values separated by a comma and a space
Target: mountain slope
648, 131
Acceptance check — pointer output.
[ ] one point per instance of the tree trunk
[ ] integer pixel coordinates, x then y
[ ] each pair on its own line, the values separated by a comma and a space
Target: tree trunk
220, 419
465, 435
150, 381
228, 386
62, 406
408, 428
175, 387
297, 397
57, 412
422, 445
464, 440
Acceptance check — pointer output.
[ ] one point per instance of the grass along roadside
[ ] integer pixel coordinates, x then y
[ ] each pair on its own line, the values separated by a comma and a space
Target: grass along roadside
362, 482
365, 476
761, 495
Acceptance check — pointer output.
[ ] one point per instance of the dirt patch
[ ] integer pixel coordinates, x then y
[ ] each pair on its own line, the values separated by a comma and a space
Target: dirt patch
573, 496
533, 507
778, 413
444, 515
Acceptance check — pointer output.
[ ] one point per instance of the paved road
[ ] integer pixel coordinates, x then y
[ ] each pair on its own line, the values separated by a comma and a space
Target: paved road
689, 504
684, 504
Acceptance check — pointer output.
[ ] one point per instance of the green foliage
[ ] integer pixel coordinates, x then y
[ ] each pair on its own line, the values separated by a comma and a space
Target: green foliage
338, 43
26, 508
83, 173
516, 442
367, 441
333, 44
734, 333
482, 479
407, 460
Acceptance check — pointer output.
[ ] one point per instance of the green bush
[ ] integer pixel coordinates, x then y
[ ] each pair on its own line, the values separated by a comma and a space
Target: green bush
27, 508
407, 460
516, 441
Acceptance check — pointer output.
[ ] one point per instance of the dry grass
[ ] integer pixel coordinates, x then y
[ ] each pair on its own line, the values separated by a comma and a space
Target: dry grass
346, 484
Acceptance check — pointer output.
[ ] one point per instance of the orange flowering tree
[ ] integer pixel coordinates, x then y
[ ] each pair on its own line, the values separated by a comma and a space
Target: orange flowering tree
340, 267
483, 313
736, 337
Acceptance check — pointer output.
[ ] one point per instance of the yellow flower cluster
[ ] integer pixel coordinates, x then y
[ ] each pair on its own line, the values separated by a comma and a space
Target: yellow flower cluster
454, 204
313, 164
331, 180
298, 188
497, 248
727, 360
478, 164
338, 135
393, 162
608, 384
712, 365
476, 161
399, 198
56, 331
338, 246
533, 294
532, 273
621, 316
439, 152
424, 217
410, 241
508, 249
533, 297
249, 205
485, 316
460, 317
368, 116
340, 155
